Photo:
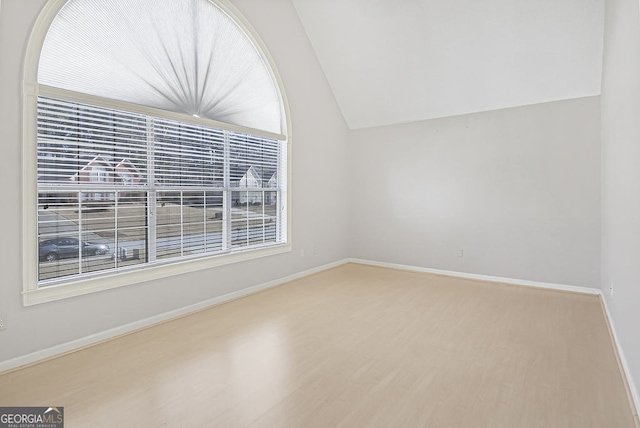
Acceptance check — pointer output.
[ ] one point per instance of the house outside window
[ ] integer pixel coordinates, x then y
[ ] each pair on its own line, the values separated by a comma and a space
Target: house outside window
147, 170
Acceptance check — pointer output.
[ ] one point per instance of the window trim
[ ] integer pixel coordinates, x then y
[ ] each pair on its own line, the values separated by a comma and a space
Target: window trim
31, 90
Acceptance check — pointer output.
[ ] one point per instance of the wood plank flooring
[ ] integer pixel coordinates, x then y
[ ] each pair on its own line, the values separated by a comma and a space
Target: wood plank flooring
352, 346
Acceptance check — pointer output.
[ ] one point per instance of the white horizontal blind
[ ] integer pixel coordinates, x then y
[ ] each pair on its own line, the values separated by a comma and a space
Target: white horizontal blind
187, 155
72, 136
120, 190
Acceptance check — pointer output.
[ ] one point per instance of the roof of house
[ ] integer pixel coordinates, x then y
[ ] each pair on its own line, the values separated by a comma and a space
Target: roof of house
66, 168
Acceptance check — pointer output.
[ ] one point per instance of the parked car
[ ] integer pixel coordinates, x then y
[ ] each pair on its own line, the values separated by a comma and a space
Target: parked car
60, 248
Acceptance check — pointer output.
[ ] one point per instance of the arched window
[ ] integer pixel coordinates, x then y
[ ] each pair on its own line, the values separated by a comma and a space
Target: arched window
156, 131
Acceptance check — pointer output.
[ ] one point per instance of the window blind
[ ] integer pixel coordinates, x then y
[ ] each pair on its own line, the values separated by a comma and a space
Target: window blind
186, 56
120, 190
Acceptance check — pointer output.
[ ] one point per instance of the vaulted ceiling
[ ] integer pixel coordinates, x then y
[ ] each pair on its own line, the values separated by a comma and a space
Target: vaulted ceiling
395, 61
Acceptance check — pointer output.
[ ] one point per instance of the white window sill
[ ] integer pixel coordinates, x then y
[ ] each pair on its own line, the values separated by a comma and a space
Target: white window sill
79, 287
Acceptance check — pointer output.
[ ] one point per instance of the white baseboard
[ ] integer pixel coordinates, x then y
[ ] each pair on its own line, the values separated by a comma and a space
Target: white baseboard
103, 336
626, 372
487, 278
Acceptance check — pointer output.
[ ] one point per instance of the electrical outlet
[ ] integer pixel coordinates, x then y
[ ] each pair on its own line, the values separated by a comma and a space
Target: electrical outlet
460, 252
302, 253
315, 251
611, 289
3, 321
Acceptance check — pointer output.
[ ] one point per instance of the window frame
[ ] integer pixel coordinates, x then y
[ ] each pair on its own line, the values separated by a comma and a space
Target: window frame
32, 294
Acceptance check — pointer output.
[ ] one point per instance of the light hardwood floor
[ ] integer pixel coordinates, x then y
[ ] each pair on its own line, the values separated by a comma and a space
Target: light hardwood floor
353, 346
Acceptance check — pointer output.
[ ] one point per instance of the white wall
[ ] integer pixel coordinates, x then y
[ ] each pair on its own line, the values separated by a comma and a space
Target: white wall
319, 198
392, 62
621, 175
517, 189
